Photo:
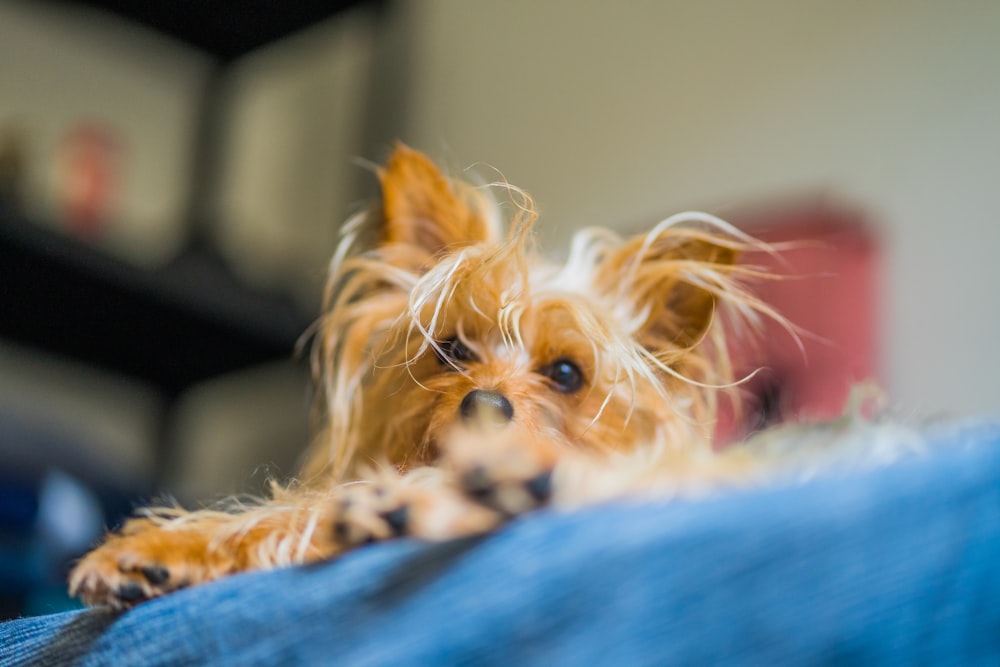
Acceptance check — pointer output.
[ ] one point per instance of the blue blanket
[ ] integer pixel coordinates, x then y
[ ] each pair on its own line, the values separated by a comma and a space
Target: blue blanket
899, 565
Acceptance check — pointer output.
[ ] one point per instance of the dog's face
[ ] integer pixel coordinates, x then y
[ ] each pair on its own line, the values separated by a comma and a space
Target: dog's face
451, 328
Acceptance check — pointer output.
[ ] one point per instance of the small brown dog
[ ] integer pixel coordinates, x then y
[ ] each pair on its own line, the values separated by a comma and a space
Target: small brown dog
465, 379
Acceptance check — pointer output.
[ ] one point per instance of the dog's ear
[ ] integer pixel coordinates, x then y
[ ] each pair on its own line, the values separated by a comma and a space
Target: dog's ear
674, 280
421, 207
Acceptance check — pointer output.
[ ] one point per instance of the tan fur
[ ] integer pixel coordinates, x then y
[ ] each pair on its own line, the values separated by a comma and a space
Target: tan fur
642, 319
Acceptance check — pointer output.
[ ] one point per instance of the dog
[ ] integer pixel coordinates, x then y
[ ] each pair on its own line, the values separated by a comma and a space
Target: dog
464, 379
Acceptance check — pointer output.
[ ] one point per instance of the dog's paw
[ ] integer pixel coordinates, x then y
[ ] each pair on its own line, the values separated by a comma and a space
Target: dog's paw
509, 494
425, 504
142, 562
505, 475
368, 512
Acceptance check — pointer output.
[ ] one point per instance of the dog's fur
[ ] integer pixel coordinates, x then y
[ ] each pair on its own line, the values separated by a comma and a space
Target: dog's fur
465, 379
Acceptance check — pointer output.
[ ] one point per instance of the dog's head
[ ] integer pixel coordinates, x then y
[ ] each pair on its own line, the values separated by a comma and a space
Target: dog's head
451, 325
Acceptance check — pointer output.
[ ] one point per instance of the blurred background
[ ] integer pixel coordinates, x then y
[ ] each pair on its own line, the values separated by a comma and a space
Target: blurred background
173, 174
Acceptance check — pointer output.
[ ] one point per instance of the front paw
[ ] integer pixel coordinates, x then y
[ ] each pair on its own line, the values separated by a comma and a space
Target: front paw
369, 512
510, 494
510, 476
425, 504
142, 562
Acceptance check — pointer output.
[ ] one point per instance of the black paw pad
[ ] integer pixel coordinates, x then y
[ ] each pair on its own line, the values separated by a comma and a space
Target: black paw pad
348, 534
155, 574
342, 531
397, 519
540, 487
131, 592
477, 482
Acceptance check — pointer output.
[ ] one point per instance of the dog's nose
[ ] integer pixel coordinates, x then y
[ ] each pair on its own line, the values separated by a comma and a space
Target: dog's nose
486, 407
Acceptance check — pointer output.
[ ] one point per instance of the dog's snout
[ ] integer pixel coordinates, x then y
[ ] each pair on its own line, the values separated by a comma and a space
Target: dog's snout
486, 407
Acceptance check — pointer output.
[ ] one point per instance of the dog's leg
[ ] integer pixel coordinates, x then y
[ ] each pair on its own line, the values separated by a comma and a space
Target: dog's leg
170, 549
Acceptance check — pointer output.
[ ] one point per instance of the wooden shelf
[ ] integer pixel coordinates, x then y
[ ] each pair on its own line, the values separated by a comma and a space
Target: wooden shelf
193, 319
227, 29
187, 322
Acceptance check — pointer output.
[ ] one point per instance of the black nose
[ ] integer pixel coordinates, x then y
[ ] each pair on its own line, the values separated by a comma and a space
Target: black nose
490, 407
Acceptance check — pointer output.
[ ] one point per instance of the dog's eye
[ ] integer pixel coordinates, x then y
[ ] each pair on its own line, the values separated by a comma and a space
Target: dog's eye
453, 350
565, 375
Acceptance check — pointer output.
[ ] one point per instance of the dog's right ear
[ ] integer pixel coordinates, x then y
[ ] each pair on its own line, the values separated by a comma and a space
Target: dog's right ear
675, 280
422, 208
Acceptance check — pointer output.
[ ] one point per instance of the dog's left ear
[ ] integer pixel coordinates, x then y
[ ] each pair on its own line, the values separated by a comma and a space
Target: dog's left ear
674, 281
423, 208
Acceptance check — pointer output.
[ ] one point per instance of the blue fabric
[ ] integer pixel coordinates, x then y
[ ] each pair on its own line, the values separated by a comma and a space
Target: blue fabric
895, 566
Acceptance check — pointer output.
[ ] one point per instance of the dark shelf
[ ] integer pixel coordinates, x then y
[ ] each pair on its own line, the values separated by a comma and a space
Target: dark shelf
193, 319
226, 29
173, 327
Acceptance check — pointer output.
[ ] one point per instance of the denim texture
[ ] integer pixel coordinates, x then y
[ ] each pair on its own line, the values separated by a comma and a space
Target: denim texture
896, 566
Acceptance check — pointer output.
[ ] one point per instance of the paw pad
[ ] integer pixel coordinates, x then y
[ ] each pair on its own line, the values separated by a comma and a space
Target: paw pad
131, 592
397, 519
155, 574
540, 487
477, 483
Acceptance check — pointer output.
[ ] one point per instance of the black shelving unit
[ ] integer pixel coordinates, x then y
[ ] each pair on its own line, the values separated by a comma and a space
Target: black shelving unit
226, 29
172, 327
192, 319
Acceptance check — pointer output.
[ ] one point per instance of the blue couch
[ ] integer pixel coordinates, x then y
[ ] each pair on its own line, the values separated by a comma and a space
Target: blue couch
899, 565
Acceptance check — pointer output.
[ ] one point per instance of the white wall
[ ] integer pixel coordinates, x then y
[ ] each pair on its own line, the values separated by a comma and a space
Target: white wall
613, 113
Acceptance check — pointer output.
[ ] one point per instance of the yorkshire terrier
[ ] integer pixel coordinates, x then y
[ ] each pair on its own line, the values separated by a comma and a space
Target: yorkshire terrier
464, 379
